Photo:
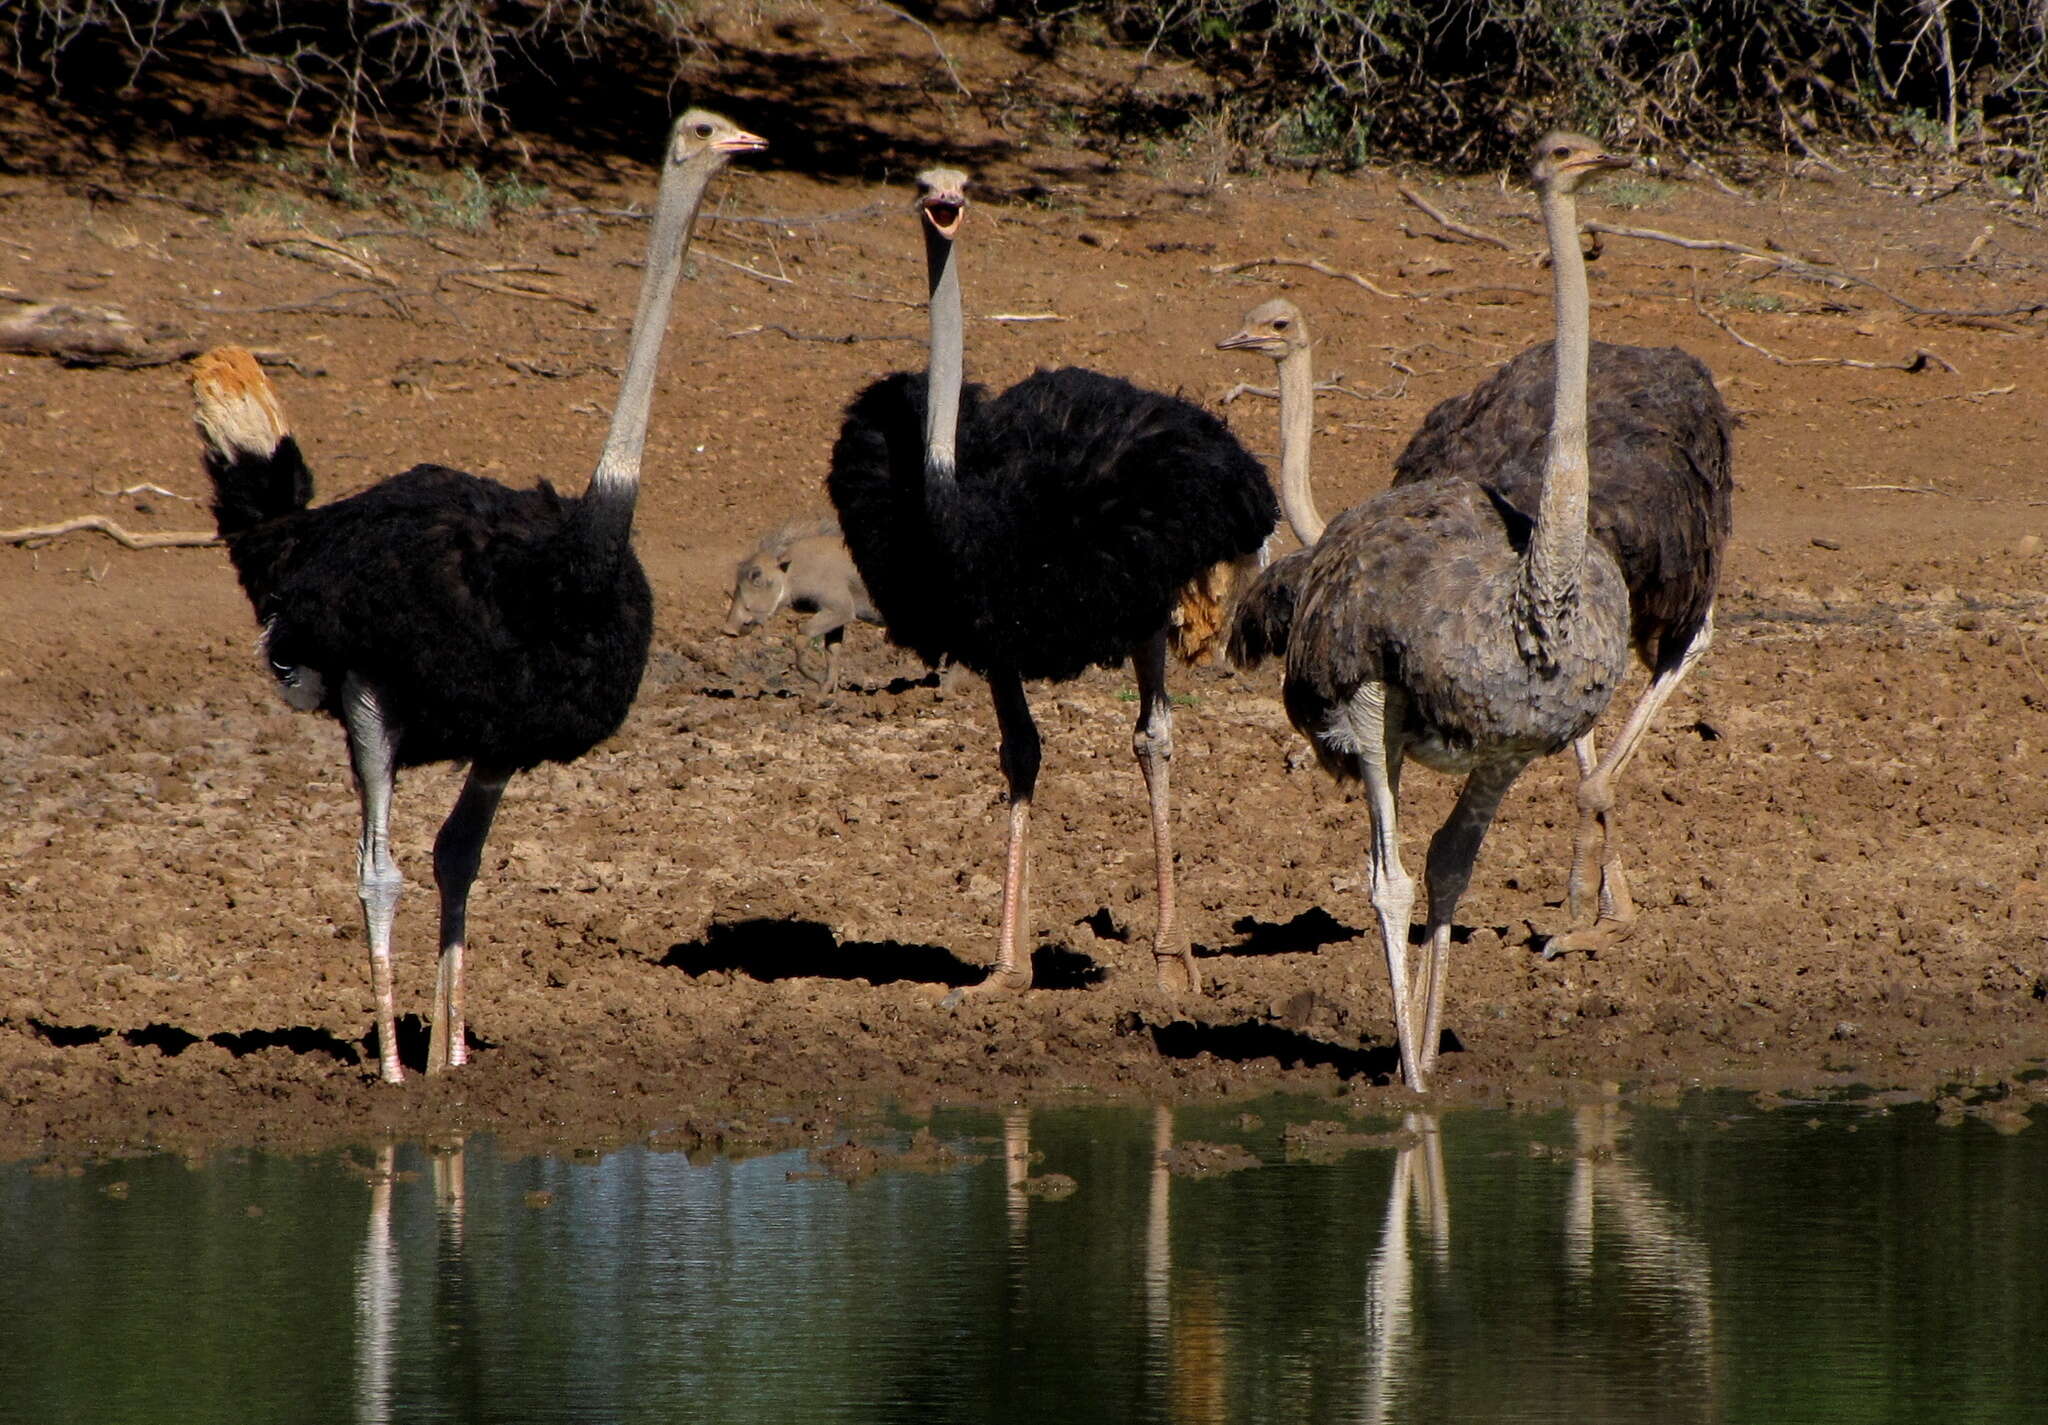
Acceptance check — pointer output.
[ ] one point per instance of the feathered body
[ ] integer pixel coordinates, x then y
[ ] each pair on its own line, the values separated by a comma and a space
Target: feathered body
1419, 588
439, 616
1081, 510
1074, 520
1660, 442
495, 625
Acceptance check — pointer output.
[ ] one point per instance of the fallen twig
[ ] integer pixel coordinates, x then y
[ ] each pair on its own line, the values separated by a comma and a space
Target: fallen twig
1920, 360
750, 271
1451, 224
844, 339
1026, 317
144, 489
482, 278
1813, 271
1272, 393
1899, 489
34, 536
1225, 269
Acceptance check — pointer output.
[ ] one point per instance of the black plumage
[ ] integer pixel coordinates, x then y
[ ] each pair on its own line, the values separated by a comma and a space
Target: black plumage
1084, 505
443, 617
1074, 520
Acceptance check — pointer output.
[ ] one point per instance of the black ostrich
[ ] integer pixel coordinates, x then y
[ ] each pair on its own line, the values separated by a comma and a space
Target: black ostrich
1074, 520
1660, 440
1434, 621
442, 617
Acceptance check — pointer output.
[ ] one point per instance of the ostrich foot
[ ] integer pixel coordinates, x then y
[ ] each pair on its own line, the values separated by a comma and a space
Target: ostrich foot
1176, 973
1602, 934
1003, 980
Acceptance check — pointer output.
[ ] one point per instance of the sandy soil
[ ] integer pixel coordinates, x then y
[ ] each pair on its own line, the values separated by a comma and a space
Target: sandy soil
752, 901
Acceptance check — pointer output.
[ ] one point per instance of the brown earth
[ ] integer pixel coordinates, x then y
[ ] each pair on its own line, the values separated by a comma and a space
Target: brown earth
752, 900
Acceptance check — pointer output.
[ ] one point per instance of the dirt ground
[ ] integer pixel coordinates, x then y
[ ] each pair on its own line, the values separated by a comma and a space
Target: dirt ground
751, 902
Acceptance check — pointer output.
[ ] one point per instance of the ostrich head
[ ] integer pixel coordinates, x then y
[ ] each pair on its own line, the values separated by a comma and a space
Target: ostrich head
942, 199
1273, 328
1563, 160
700, 132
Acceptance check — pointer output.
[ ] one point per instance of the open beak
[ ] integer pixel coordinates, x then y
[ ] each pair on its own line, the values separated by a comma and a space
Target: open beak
944, 211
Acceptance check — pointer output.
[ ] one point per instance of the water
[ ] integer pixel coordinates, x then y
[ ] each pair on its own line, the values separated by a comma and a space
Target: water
1710, 1261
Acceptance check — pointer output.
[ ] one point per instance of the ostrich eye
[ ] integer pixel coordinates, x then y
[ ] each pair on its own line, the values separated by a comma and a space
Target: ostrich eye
1560, 153
1280, 325
703, 131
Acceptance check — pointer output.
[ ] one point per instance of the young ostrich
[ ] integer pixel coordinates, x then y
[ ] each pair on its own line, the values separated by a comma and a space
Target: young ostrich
1434, 621
1071, 521
442, 617
1663, 498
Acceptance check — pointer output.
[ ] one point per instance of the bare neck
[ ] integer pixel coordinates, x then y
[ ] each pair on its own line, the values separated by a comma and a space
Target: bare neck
942, 381
1297, 429
617, 481
1556, 557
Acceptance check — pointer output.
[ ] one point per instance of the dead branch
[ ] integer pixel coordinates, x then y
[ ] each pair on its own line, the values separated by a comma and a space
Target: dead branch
1225, 269
1815, 272
484, 280
143, 489
1900, 489
35, 536
1920, 360
927, 32
750, 271
1451, 224
325, 302
329, 256
1333, 387
1024, 317
844, 339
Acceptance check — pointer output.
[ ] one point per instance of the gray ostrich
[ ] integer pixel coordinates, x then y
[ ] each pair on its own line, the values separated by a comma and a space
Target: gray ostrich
1435, 621
443, 617
1663, 496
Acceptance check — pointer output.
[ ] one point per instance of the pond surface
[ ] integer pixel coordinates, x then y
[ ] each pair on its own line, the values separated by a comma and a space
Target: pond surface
1712, 1261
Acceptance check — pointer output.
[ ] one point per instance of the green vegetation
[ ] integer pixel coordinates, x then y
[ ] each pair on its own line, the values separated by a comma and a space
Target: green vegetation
1457, 83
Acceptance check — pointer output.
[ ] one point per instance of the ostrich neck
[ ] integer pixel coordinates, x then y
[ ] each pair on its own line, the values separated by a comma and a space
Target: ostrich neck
1297, 428
1557, 549
616, 484
943, 370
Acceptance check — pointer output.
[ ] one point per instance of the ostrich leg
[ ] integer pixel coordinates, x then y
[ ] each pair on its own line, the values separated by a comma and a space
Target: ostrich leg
1614, 920
1172, 962
1452, 852
458, 850
370, 755
1020, 766
1374, 728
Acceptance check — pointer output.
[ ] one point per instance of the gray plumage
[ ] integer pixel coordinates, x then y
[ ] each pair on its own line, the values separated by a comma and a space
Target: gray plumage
1660, 441
1438, 621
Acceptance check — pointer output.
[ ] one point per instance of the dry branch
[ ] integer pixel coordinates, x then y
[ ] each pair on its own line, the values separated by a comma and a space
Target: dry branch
1816, 272
34, 536
1920, 360
844, 339
1224, 269
1451, 224
484, 280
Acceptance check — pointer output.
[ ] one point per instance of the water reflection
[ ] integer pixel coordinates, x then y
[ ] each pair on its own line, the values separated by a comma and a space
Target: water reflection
1705, 1262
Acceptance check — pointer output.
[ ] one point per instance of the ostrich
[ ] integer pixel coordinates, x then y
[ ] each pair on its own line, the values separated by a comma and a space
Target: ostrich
1663, 497
442, 617
1073, 520
1435, 621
